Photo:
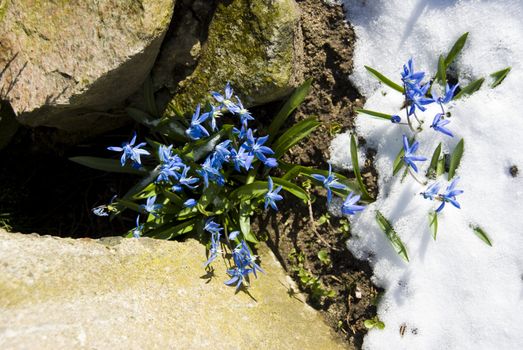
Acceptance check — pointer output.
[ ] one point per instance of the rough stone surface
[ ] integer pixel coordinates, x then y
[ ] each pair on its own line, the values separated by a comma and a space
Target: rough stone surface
254, 44
71, 59
142, 294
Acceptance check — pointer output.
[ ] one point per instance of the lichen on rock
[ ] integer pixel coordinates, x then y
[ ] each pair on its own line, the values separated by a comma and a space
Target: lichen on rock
254, 44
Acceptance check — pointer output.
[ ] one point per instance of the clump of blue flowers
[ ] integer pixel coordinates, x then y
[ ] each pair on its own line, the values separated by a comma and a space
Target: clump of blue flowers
208, 178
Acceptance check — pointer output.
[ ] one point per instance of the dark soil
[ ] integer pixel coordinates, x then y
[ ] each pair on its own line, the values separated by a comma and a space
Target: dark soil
297, 234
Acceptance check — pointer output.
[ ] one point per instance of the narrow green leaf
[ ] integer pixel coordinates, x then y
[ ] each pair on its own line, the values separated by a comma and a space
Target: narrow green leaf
434, 161
440, 168
104, 164
375, 114
481, 234
456, 49
433, 223
245, 222
456, 158
398, 162
173, 197
142, 117
384, 79
499, 76
168, 230
291, 188
292, 171
201, 148
150, 100
172, 128
393, 237
356, 166
297, 97
470, 88
294, 135
142, 184
249, 191
441, 75
129, 204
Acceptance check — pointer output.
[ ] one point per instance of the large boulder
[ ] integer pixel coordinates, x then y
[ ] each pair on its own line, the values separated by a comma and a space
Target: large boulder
143, 294
70, 62
254, 44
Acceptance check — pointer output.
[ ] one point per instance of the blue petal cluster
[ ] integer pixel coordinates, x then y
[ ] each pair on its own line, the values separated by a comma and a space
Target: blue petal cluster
131, 152
449, 196
329, 182
245, 263
409, 157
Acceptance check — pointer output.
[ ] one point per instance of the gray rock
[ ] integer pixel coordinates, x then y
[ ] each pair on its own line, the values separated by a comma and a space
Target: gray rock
74, 60
143, 294
254, 44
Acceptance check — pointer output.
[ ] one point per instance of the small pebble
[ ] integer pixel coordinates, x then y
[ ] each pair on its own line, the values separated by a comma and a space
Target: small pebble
514, 171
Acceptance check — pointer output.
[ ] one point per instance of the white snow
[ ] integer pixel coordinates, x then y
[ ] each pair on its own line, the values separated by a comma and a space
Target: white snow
456, 292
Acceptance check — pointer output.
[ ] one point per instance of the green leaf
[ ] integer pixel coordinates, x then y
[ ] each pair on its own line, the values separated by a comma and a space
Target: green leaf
499, 76
291, 188
129, 204
104, 164
168, 230
250, 191
142, 117
470, 88
297, 97
292, 171
398, 162
172, 128
294, 135
369, 324
434, 161
384, 79
201, 148
393, 237
150, 100
441, 75
245, 222
380, 325
142, 184
375, 114
356, 166
456, 49
440, 168
481, 234
173, 197
433, 223
456, 158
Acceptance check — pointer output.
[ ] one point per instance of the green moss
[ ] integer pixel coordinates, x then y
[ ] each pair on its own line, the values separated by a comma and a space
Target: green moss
250, 44
3, 8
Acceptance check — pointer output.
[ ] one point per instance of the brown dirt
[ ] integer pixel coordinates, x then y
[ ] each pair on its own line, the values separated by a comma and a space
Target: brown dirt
328, 42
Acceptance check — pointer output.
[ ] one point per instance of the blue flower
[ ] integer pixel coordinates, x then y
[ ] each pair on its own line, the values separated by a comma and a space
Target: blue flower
100, 210
329, 182
349, 206
130, 151
409, 77
241, 159
212, 227
395, 119
272, 196
417, 98
409, 158
150, 207
187, 181
432, 191
450, 196
222, 153
241, 133
233, 235
439, 123
190, 203
449, 94
209, 172
214, 250
270, 163
255, 146
196, 131
226, 100
244, 114
170, 164
213, 114
138, 230
245, 263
